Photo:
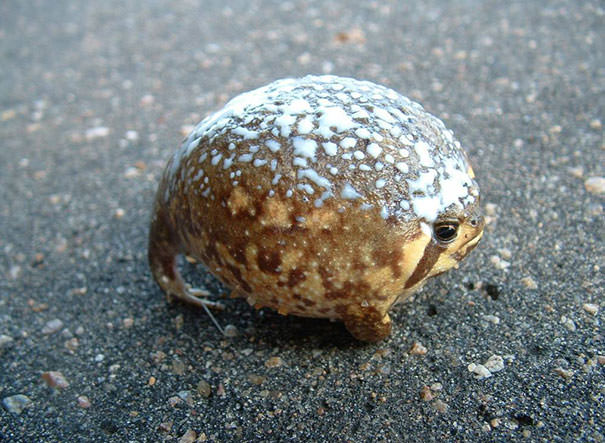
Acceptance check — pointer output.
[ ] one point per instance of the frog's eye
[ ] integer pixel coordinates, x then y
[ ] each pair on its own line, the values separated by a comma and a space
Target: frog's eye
446, 232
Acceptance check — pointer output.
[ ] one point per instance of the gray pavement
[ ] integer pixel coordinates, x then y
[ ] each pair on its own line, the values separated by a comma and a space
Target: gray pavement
95, 95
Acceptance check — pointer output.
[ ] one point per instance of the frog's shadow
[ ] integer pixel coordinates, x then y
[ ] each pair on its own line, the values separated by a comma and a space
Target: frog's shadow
267, 325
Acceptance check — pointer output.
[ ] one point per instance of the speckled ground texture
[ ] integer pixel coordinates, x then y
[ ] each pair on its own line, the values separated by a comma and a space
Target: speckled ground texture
94, 96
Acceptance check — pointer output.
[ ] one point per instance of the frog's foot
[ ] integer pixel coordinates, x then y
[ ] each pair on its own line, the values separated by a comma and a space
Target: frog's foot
199, 297
162, 256
368, 325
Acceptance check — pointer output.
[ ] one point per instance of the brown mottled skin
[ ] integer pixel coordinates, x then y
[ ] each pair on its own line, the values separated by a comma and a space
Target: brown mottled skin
338, 261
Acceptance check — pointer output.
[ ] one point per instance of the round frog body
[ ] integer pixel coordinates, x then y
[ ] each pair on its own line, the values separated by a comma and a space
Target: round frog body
320, 197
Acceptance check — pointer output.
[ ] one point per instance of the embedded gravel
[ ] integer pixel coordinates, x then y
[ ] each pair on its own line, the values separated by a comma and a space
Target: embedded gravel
94, 96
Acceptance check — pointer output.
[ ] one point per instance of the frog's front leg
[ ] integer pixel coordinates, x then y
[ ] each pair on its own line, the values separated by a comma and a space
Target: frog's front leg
368, 324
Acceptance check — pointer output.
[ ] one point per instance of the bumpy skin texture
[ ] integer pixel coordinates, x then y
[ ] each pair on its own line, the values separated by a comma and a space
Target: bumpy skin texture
317, 197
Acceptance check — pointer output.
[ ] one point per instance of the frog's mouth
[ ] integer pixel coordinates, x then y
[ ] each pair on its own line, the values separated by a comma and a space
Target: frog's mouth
468, 247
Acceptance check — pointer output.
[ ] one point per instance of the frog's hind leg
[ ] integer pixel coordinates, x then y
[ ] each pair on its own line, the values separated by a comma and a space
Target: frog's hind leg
162, 254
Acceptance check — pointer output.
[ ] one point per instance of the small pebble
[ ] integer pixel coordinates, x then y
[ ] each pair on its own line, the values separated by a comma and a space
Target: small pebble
529, 283
132, 136
15, 404
577, 171
591, 308
128, 322
568, 323
490, 209
188, 437
52, 326
6, 341
494, 364
440, 405
499, 263
97, 132
178, 367
204, 389
436, 387
165, 426
479, 370
174, 401
186, 397
595, 185
492, 319
83, 402
596, 124
55, 379
147, 100
505, 253
186, 129
274, 362
256, 379
72, 344
132, 172
119, 213
565, 373
426, 394
418, 349
230, 331
14, 272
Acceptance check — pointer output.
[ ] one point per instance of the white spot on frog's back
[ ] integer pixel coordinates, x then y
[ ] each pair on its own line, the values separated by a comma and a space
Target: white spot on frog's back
423, 150
245, 133
297, 106
273, 145
349, 192
312, 175
304, 147
330, 148
374, 150
427, 208
285, 123
305, 126
335, 117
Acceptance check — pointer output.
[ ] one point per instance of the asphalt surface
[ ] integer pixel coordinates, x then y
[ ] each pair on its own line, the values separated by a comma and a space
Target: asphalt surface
95, 95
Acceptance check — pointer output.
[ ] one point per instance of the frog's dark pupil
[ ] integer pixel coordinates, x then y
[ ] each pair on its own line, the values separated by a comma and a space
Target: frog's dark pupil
446, 232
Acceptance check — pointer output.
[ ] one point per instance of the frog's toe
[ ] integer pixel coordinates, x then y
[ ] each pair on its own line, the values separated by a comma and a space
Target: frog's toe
369, 326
